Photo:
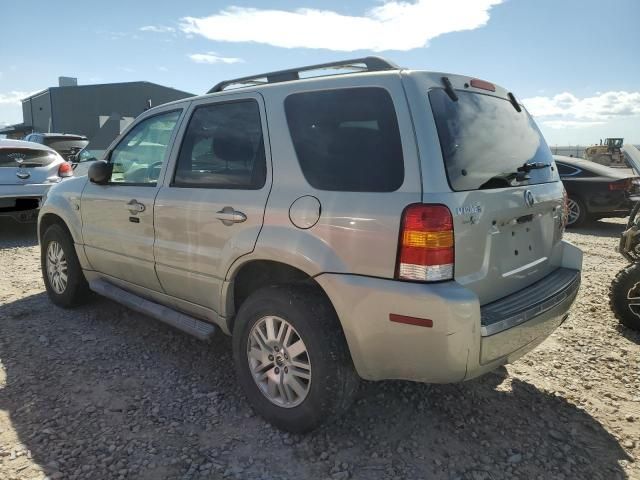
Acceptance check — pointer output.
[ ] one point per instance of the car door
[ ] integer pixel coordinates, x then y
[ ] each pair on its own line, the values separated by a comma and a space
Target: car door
211, 208
117, 218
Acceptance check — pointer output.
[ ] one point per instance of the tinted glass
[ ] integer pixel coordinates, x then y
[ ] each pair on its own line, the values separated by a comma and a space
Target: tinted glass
484, 141
223, 148
565, 169
139, 156
25, 157
347, 139
63, 144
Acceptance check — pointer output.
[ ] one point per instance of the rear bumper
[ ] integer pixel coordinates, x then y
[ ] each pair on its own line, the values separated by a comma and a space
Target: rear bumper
21, 202
457, 346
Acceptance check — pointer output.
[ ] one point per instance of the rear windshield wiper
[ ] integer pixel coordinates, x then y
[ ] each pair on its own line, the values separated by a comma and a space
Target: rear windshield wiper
527, 167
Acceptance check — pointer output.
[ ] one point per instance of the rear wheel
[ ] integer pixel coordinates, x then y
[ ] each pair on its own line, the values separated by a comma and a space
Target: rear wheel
61, 271
624, 296
291, 357
577, 213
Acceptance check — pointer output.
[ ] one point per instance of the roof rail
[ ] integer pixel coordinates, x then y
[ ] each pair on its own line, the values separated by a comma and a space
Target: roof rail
365, 64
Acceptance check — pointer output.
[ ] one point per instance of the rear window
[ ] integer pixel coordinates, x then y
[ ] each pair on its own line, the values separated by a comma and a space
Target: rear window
347, 139
65, 144
25, 157
484, 141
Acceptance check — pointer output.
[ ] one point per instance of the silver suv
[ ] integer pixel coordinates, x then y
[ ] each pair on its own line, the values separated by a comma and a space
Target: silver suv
378, 223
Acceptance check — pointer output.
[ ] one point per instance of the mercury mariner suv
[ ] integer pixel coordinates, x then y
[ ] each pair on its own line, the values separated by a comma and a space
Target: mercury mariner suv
377, 223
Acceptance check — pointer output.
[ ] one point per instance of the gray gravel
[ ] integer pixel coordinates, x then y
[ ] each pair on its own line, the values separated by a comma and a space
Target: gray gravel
103, 392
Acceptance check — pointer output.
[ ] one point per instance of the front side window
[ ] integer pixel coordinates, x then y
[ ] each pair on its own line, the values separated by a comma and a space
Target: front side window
139, 156
223, 147
347, 139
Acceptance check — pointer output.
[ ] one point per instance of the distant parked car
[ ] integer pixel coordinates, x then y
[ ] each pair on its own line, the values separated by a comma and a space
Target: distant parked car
595, 191
82, 160
65, 144
27, 170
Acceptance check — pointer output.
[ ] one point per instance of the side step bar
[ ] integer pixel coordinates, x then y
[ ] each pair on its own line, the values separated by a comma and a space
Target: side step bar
192, 326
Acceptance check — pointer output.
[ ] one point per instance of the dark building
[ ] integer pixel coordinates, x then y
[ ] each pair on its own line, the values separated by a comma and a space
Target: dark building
88, 109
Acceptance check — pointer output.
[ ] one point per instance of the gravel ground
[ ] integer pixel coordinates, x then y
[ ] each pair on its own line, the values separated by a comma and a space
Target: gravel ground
103, 392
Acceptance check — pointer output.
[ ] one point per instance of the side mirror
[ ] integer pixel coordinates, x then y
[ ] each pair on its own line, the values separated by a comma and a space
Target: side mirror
100, 172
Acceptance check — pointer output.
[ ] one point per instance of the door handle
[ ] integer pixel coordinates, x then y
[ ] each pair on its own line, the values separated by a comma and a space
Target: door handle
229, 216
135, 206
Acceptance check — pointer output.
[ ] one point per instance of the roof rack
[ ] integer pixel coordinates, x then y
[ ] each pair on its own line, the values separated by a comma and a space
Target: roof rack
365, 64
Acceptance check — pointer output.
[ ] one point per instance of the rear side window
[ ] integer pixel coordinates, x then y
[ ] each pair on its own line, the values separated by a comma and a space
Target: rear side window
25, 157
347, 139
223, 147
485, 142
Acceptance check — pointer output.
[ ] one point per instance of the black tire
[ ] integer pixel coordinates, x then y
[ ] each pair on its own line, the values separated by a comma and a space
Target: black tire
582, 213
626, 284
77, 290
334, 381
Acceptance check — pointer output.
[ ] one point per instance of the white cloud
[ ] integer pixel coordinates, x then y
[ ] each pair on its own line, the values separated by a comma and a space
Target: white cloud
13, 97
163, 69
157, 29
394, 25
602, 106
213, 57
562, 124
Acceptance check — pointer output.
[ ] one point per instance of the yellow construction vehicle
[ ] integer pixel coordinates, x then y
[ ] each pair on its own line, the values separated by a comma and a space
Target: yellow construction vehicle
607, 153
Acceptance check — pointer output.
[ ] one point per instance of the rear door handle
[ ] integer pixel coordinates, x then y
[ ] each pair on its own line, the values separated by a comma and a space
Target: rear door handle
229, 216
135, 206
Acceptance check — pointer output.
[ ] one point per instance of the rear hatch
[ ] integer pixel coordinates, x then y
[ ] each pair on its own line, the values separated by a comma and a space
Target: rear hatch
20, 165
506, 196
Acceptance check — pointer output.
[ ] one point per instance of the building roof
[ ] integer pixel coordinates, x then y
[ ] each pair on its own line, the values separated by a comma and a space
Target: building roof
101, 85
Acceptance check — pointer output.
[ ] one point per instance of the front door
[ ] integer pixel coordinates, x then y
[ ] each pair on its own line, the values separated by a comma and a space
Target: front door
117, 218
210, 211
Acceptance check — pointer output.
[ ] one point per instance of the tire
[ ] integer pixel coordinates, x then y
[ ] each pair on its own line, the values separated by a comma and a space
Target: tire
577, 207
58, 245
333, 381
626, 287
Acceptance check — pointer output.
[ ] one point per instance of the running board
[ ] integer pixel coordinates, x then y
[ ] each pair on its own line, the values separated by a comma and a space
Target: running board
192, 326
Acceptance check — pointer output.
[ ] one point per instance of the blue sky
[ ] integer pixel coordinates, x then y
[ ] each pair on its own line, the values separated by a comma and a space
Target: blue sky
575, 63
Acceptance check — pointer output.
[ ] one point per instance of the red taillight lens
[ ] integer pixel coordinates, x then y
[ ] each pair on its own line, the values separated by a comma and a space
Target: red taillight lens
65, 170
624, 184
426, 244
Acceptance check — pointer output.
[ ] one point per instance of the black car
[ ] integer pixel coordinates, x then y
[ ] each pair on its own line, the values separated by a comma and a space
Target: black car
595, 191
65, 144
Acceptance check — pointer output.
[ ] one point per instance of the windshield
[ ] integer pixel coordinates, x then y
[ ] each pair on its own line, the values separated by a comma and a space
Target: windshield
486, 143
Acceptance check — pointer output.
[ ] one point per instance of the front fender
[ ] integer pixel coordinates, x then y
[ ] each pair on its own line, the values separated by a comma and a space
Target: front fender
63, 201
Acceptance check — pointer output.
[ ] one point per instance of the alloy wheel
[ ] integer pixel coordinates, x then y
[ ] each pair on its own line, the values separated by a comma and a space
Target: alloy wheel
573, 211
56, 267
279, 361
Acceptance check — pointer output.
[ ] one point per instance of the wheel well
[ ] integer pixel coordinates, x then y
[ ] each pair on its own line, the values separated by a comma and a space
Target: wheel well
262, 273
49, 219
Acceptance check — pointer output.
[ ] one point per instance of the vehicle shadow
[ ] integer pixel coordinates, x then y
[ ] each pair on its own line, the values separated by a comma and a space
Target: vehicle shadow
611, 228
14, 234
628, 333
102, 392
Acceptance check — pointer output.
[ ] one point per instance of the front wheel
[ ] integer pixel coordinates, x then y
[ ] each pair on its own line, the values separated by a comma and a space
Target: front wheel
291, 357
624, 296
61, 270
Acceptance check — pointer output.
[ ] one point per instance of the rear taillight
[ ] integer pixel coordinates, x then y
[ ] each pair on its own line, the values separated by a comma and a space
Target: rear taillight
426, 244
65, 170
565, 211
624, 184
